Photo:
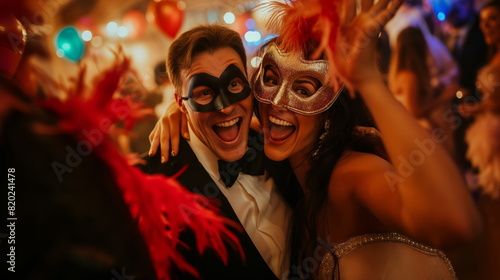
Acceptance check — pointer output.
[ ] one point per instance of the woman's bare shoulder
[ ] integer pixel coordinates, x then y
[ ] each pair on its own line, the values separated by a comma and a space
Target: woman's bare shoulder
353, 161
356, 169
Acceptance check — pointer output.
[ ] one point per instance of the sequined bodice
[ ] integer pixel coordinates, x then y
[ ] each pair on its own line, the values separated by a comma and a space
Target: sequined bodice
387, 256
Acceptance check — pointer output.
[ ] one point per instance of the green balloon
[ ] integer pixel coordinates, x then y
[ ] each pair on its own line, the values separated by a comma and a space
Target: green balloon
69, 44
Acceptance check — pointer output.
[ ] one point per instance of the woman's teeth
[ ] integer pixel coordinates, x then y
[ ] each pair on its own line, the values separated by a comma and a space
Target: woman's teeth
279, 129
279, 121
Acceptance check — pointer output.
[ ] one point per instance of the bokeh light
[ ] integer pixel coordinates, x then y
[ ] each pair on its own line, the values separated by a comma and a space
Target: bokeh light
229, 18
86, 35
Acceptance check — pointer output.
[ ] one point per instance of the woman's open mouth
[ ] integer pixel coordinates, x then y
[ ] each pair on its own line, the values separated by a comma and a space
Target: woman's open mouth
279, 129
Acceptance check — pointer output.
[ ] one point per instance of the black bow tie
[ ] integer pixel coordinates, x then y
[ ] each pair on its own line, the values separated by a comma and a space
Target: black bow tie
251, 163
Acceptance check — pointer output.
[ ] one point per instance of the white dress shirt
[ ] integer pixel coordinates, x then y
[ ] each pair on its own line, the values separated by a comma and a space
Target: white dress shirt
258, 205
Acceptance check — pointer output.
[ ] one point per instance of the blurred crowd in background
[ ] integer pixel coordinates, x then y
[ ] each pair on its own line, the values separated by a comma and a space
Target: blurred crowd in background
440, 59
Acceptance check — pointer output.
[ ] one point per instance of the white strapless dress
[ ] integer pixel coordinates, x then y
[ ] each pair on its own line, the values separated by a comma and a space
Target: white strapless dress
388, 256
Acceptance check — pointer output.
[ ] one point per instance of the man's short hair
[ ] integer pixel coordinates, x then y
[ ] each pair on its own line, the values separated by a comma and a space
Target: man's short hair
197, 40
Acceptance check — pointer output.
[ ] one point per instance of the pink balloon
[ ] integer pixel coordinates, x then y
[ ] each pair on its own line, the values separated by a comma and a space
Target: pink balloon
239, 24
135, 23
86, 22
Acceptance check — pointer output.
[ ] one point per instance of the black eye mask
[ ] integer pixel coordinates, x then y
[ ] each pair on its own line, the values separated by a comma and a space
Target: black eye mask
223, 97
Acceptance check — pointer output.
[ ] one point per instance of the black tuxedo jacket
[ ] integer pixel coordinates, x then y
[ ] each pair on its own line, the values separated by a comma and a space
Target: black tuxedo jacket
196, 179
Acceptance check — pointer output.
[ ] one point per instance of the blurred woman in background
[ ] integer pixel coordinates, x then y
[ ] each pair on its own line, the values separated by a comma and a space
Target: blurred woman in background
411, 82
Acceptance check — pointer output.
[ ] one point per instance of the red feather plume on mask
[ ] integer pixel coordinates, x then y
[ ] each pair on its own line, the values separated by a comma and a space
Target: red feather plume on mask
162, 207
304, 25
299, 22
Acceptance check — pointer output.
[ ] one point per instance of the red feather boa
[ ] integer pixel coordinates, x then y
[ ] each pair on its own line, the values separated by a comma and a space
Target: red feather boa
160, 205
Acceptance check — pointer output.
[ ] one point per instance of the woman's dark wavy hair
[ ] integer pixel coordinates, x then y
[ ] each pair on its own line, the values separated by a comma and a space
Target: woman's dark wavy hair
343, 116
492, 50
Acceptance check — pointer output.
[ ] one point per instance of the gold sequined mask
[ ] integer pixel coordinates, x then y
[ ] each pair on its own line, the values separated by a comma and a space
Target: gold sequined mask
291, 67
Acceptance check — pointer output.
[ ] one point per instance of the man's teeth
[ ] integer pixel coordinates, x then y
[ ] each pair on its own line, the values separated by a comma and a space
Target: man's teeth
228, 123
279, 121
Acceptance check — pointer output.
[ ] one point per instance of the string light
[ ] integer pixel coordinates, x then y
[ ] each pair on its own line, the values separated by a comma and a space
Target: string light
255, 61
122, 31
96, 41
86, 35
229, 18
253, 37
250, 24
441, 16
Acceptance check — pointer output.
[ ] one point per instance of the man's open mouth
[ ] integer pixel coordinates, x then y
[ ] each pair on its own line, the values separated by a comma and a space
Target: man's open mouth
228, 130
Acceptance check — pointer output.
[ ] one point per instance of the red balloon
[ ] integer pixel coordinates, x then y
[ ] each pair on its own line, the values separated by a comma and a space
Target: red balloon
86, 22
135, 23
12, 43
167, 16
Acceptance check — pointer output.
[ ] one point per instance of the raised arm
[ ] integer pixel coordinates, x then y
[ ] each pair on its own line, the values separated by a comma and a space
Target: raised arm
433, 202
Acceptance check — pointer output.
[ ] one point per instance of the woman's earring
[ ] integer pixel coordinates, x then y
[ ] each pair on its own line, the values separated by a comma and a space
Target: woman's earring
322, 137
327, 130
